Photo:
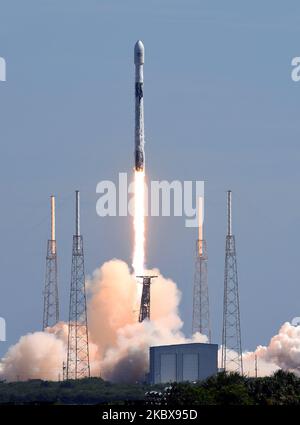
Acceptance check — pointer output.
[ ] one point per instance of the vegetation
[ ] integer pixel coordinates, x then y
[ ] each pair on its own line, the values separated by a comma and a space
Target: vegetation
83, 391
283, 388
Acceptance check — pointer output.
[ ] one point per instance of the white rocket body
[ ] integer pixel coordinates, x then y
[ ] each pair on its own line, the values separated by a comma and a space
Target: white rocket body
139, 153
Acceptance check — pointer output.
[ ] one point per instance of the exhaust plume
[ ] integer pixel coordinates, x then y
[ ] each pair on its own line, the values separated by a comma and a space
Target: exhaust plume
139, 223
283, 351
119, 345
36, 355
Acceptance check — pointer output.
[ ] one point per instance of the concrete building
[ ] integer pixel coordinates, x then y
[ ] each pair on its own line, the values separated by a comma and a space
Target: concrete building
182, 362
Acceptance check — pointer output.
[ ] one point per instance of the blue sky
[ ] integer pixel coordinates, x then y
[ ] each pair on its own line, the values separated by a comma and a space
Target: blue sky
220, 106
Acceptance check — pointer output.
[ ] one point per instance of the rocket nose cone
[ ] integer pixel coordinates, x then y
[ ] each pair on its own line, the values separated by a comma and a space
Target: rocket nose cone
139, 53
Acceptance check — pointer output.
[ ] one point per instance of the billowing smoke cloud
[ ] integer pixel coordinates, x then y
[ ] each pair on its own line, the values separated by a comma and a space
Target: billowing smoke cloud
119, 345
283, 350
264, 367
123, 344
36, 355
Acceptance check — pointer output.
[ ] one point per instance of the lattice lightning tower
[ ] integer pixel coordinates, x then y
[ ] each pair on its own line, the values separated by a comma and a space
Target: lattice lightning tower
51, 303
231, 337
78, 364
201, 316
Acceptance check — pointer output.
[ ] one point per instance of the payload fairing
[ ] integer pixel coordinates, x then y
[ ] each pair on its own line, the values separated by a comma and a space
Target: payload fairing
139, 153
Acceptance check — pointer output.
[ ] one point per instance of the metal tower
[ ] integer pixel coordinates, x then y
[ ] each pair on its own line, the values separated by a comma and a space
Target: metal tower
51, 306
231, 338
201, 318
145, 299
78, 364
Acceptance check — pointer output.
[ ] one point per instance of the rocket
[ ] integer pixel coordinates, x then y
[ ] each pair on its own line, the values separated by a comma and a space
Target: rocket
139, 152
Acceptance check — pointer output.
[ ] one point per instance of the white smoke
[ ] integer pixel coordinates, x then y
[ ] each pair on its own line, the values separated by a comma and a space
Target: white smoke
283, 350
123, 344
251, 360
119, 345
36, 355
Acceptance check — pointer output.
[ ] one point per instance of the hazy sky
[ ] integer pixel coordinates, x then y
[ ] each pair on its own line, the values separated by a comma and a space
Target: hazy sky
220, 106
